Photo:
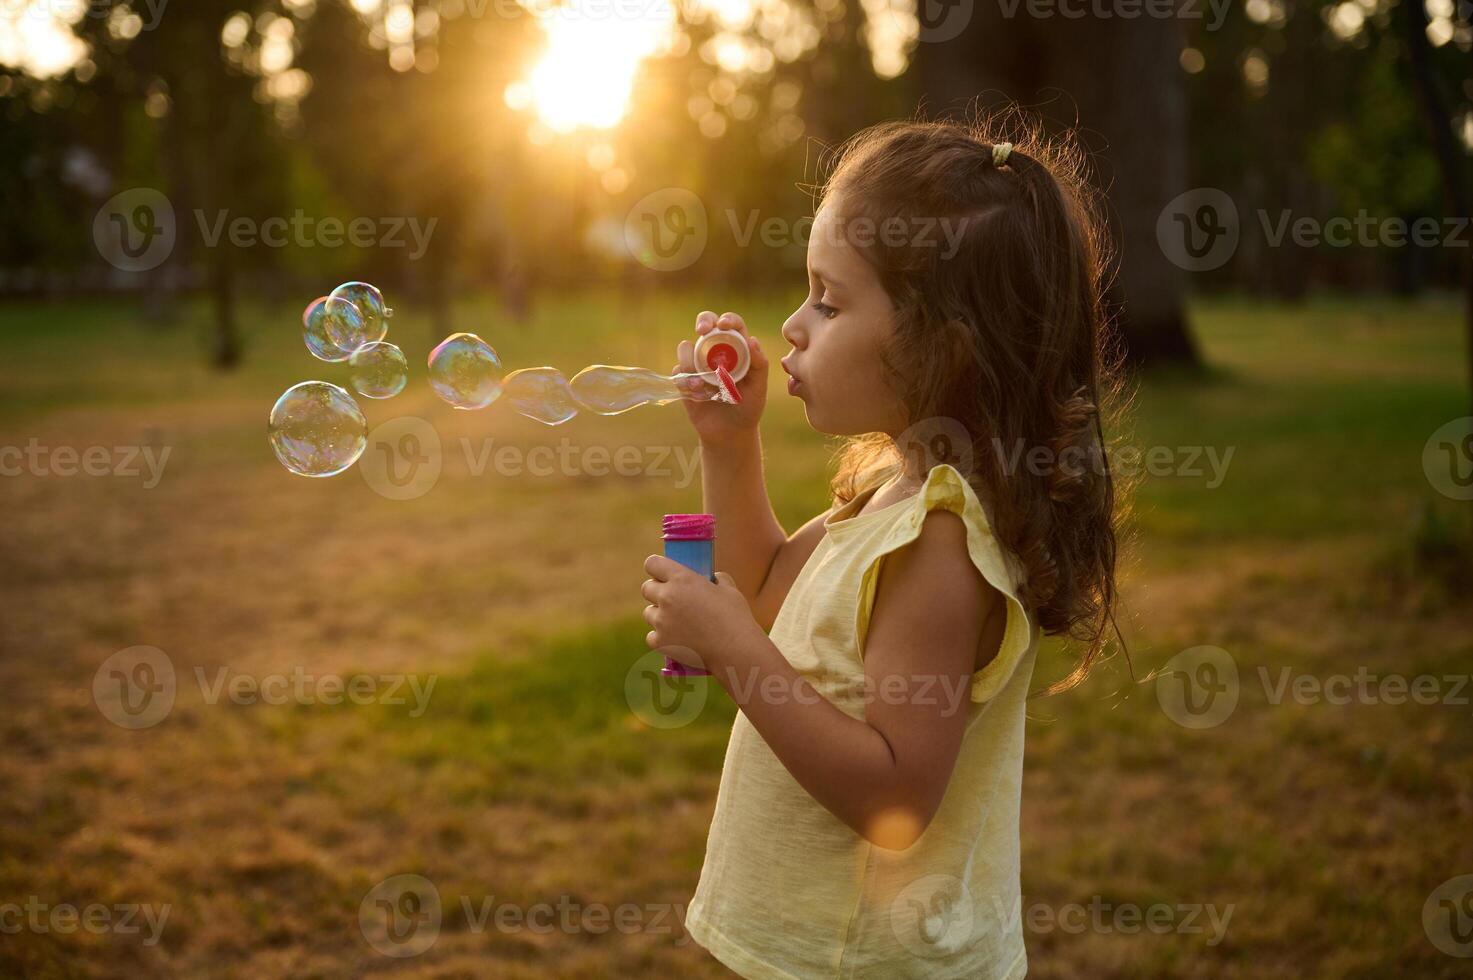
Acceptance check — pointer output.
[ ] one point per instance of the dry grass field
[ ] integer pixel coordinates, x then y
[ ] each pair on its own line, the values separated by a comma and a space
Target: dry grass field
1315, 830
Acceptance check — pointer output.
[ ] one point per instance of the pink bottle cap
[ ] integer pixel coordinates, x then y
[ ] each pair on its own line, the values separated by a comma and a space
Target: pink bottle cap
689, 527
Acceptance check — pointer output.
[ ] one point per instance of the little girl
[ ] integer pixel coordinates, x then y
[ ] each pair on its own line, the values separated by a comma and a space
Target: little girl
881, 656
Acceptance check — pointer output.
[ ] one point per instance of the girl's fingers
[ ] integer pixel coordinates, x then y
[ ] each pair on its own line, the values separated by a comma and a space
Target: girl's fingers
730, 321
705, 322
759, 356
685, 357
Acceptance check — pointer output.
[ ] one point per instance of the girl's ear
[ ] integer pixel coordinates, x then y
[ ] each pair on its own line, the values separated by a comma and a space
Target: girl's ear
959, 344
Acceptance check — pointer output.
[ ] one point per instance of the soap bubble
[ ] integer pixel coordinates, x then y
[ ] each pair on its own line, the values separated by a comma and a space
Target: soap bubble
315, 322
370, 303
465, 371
609, 389
379, 370
317, 430
541, 394
345, 325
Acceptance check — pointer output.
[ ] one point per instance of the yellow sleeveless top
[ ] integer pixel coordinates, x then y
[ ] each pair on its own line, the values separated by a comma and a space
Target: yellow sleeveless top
788, 890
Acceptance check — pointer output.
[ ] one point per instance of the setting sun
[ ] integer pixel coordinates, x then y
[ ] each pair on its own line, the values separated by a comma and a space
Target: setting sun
586, 74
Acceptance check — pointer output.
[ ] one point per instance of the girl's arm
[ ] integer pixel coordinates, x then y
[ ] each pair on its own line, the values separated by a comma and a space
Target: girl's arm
753, 547
884, 776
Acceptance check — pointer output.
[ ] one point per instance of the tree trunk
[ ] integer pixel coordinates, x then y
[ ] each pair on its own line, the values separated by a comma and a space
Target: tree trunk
226, 351
1439, 125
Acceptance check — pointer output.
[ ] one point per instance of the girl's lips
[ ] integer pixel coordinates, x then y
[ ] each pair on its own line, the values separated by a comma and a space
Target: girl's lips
793, 383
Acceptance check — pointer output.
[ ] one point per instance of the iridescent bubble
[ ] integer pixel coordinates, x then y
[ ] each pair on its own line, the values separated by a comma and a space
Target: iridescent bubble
315, 327
465, 371
541, 394
317, 430
370, 303
379, 370
345, 326
609, 389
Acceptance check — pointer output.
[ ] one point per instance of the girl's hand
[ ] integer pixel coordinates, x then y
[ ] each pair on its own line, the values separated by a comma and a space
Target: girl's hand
717, 422
692, 613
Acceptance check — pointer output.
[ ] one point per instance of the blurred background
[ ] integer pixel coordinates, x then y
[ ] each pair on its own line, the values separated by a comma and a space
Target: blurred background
186, 790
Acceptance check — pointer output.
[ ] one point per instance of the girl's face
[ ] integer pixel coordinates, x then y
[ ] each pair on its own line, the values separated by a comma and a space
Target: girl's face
838, 334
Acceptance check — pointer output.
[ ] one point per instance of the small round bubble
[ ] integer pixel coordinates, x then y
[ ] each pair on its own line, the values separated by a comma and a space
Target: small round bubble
317, 430
465, 371
344, 325
370, 303
314, 329
379, 370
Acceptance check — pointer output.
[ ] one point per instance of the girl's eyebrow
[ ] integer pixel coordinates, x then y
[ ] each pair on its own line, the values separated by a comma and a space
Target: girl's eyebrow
828, 280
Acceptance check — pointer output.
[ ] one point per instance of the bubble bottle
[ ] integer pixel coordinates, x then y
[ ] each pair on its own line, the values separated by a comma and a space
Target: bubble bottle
691, 540
724, 349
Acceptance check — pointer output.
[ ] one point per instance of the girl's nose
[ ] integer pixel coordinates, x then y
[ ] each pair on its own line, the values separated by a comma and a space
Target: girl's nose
792, 332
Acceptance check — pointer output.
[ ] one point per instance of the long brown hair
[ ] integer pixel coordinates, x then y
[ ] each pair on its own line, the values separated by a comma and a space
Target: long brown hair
1001, 333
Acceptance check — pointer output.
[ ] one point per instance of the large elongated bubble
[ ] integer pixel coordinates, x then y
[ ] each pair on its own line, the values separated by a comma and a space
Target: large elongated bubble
541, 394
316, 429
611, 390
465, 371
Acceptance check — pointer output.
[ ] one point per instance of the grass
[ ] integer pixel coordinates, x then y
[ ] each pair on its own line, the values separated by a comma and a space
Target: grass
528, 778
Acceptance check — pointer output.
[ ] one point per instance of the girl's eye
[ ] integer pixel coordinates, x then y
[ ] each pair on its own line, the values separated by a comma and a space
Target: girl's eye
826, 310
